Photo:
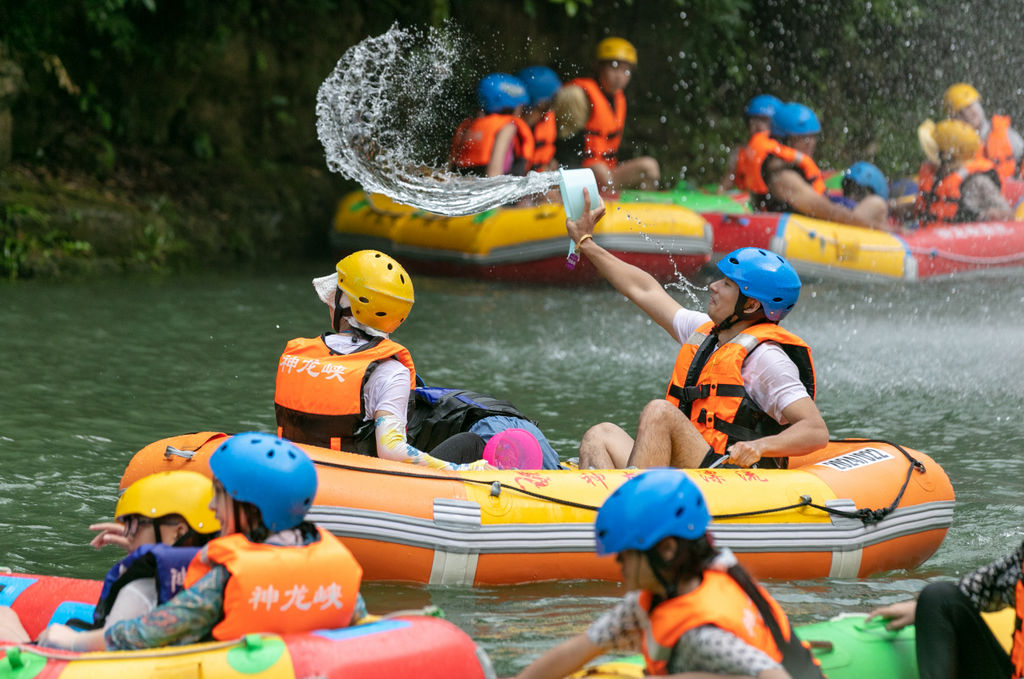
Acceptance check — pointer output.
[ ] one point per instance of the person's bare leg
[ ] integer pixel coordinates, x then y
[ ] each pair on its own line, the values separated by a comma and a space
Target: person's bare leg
665, 437
603, 174
872, 208
10, 626
605, 446
643, 173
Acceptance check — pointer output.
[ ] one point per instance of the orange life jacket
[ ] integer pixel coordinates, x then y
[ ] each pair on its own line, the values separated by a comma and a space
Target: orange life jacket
473, 142
545, 134
281, 590
722, 601
712, 393
1017, 650
603, 132
319, 393
938, 198
762, 146
997, 148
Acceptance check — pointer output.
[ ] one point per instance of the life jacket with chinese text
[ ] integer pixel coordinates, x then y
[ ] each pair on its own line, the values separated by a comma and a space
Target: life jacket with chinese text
732, 602
603, 132
165, 563
794, 160
998, 149
473, 143
939, 198
281, 590
319, 392
711, 392
545, 134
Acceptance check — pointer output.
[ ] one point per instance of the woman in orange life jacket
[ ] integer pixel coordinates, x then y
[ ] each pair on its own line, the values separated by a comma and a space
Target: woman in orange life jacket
767, 412
688, 607
270, 570
598, 146
964, 188
1000, 143
542, 84
952, 640
349, 389
743, 170
794, 183
497, 141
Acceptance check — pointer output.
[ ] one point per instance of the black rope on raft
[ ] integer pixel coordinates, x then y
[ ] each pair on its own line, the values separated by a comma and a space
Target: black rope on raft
867, 516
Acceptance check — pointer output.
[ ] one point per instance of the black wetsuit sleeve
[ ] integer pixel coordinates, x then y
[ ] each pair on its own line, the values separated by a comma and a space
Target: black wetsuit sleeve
993, 587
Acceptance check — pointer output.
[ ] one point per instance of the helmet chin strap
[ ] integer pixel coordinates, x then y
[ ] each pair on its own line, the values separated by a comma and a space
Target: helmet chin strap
340, 312
736, 317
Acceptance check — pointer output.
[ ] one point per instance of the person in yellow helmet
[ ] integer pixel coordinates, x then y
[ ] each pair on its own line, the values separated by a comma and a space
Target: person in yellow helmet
165, 519
964, 187
349, 389
1000, 143
602, 105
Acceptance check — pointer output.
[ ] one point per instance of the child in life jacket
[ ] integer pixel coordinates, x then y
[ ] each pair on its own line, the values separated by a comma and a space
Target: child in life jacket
270, 571
603, 106
165, 518
497, 141
542, 84
860, 180
743, 170
689, 607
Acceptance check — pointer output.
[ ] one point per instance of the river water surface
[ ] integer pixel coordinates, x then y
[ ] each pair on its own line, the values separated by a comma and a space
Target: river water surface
91, 372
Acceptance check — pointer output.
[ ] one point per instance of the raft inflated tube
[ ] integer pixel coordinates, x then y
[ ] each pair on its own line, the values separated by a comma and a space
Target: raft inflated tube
409, 523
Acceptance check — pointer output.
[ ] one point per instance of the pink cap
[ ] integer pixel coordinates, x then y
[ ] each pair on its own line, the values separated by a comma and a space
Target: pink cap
514, 449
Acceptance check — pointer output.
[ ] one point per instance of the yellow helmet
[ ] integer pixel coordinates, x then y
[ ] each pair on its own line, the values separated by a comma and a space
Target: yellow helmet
956, 140
616, 49
178, 492
378, 288
958, 97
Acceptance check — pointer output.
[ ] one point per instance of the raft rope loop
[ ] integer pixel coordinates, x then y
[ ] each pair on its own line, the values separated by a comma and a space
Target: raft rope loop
867, 516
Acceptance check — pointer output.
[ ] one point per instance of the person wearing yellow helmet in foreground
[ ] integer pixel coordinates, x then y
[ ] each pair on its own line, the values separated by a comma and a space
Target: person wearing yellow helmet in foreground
166, 518
1000, 143
688, 607
598, 107
964, 188
349, 389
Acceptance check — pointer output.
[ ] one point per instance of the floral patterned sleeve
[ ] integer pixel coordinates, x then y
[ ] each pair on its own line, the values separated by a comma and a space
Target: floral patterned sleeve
622, 628
993, 587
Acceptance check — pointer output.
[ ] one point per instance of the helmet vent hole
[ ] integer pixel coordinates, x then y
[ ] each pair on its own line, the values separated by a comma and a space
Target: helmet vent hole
776, 299
679, 512
790, 306
382, 313
305, 502
700, 502
364, 300
377, 255
270, 453
734, 260
390, 266
402, 277
291, 454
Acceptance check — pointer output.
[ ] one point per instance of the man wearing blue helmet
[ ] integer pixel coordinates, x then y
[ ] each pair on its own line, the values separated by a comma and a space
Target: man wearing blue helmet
742, 385
744, 167
496, 141
689, 607
270, 571
793, 182
542, 84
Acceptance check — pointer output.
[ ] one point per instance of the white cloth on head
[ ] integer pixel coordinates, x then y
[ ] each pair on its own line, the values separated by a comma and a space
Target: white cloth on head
769, 375
326, 289
387, 387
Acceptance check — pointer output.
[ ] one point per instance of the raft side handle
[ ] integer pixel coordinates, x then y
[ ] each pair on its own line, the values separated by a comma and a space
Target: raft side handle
823, 646
171, 451
496, 489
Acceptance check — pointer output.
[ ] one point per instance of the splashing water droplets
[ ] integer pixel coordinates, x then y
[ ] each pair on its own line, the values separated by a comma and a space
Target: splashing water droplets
388, 95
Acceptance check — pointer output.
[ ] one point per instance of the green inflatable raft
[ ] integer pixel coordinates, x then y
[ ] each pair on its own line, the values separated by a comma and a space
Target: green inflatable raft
697, 199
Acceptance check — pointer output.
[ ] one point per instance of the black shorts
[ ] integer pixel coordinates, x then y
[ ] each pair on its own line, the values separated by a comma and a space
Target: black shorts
763, 463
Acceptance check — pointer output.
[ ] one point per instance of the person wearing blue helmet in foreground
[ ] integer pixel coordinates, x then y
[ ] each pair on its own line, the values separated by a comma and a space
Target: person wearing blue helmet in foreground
542, 84
795, 185
689, 607
270, 571
747, 159
742, 385
496, 141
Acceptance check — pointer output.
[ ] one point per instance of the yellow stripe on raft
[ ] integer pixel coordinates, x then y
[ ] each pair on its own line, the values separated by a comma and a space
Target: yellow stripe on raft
728, 491
837, 246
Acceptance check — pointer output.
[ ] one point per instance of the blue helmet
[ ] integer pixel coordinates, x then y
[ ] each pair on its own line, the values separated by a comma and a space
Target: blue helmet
763, 106
500, 91
764, 276
269, 472
868, 176
793, 119
643, 511
541, 83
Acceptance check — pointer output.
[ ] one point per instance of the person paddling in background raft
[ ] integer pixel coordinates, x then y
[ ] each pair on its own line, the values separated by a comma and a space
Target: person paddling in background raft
793, 182
1000, 143
349, 390
497, 141
742, 385
689, 608
744, 167
166, 518
952, 639
964, 188
269, 571
542, 84
601, 103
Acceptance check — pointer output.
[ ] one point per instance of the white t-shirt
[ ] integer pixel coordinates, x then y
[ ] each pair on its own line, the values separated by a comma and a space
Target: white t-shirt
769, 375
387, 388
135, 599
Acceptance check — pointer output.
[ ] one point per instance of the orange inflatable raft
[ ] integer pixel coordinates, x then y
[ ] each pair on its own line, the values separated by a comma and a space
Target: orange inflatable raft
850, 510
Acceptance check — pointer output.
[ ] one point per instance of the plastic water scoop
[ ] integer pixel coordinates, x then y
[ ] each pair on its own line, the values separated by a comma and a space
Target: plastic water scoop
513, 449
571, 184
